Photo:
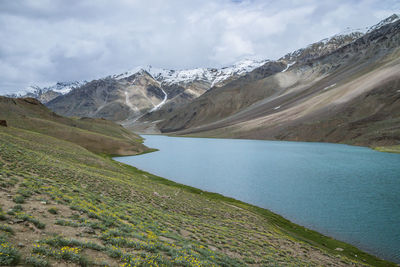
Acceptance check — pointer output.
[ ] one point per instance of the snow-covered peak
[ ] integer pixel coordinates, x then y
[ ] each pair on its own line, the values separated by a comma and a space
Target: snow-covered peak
60, 87
324, 46
128, 73
336, 41
357, 31
64, 87
210, 75
388, 20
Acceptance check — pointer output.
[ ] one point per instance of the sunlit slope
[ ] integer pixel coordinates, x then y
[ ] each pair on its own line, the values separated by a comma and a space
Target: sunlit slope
96, 135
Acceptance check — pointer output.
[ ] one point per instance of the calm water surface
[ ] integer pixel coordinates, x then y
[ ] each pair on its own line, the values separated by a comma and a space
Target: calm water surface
350, 193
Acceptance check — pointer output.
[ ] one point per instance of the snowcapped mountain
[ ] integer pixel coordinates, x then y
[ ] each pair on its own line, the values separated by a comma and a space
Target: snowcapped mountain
59, 87
46, 94
393, 18
341, 89
328, 45
65, 87
212, 76
128, 96
323, 47
150, 94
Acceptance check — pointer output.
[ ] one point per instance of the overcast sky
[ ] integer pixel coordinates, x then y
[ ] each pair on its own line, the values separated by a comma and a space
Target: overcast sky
45, 41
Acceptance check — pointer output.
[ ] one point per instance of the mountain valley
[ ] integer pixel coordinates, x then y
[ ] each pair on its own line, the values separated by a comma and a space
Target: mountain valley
318, 93
71, 195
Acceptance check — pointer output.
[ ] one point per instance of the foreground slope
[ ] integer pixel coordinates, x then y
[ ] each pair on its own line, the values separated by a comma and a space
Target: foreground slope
96, 135
62, 204
349, 95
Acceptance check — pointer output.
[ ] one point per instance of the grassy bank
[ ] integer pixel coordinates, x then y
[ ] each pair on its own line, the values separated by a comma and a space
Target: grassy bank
64, 204
389, 149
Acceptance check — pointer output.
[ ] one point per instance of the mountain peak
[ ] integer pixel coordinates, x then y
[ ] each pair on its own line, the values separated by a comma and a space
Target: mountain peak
391, 19
211, 75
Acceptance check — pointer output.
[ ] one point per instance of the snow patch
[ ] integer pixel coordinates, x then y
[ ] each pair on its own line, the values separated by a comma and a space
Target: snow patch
288, 66
330, 86
127, 73
213, 76
162, 102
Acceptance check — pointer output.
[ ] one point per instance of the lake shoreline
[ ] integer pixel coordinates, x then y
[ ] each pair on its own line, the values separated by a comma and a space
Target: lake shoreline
387, 149
323, 242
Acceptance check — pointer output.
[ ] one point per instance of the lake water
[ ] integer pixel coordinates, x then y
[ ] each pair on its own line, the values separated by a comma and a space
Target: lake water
347, 192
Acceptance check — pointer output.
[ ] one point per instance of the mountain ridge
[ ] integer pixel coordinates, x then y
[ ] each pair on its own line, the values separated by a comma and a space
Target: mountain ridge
214, 75
319, 99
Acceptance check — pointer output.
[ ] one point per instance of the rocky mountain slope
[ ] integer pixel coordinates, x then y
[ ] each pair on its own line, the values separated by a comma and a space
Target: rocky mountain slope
346, 92
228, 105
128, 96
114, 99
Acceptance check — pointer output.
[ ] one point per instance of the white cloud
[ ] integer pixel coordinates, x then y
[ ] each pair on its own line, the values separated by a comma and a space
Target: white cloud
46, 41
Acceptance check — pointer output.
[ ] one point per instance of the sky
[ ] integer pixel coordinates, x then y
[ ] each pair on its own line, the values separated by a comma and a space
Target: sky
45, 41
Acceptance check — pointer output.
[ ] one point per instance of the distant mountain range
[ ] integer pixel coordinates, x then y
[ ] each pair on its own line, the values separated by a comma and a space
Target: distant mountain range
208, 76
45, 94
332, 90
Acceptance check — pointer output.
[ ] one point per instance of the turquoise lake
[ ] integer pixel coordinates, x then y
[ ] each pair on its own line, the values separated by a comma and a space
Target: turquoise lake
346, 192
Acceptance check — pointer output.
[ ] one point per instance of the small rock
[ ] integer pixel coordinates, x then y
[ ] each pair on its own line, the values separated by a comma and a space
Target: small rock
156, 194
212, 248
339, 249
21, 245
18, 221
43, 202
